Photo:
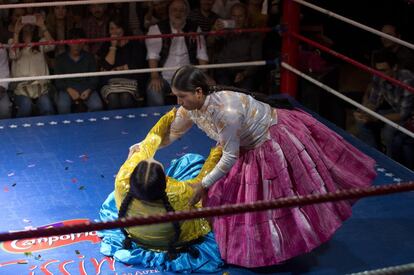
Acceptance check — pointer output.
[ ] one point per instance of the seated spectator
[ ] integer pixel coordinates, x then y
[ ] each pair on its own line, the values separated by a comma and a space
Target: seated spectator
31, 61
5, 103
96, 25
389, 100
76, 94
404, 55
237, 47
122, 91
157, 12
175, 52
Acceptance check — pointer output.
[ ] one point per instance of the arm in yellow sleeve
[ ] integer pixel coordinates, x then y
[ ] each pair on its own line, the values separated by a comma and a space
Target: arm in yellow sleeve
148, 148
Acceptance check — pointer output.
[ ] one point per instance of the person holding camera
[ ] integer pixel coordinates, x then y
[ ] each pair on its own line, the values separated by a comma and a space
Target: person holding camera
236, 47
31, 61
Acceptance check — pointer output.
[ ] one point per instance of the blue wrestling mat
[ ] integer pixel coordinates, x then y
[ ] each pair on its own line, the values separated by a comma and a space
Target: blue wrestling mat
58, 170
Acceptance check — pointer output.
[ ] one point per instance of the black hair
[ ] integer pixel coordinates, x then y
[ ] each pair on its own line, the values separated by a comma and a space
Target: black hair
120, 22
385, 56
35, 38
147, 183
187, 78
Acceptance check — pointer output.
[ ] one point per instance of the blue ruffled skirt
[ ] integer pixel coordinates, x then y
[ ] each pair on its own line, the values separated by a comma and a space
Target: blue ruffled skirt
209, 260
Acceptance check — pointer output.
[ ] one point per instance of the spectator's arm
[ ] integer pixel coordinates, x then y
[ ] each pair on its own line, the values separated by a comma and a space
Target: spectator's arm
201, 49
153, 49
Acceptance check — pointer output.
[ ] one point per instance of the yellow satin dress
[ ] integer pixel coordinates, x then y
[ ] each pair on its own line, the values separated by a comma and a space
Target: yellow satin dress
159, 236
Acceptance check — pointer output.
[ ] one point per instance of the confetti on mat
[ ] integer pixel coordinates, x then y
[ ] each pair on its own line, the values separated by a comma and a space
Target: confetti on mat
31, 165
69, 161
10, 174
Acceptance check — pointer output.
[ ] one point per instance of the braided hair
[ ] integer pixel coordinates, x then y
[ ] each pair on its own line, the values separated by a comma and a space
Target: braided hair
147, 183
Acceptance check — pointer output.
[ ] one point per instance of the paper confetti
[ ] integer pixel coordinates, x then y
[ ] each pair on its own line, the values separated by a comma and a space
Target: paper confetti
84, 157
38, 257
27, 221
10, 174
81, 187
124, 132
14, 184
77, 252
69, 161
6, 189
31, 165
28, 254
74, 180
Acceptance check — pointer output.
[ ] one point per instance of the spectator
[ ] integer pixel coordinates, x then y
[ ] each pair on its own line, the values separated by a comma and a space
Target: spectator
5, 103
76, 94
405, 56
203, 16
58, 24
96, 25
31, 61
167, 52
157, 12
123, 91
393, 102
237, 47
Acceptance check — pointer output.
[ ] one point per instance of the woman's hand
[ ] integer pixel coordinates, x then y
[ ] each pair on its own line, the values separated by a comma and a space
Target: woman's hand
199, 192
134, 148
40, 20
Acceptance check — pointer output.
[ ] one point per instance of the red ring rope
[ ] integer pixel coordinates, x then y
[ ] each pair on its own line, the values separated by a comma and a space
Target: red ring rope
214, 211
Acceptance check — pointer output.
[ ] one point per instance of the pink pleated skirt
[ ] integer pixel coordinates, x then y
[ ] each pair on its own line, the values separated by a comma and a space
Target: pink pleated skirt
302, 157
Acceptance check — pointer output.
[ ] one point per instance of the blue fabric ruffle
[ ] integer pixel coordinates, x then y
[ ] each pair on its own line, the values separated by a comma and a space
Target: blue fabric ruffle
209, 260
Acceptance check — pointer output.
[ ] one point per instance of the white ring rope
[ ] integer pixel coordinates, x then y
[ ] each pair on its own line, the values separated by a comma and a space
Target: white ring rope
392, 270
64, 3
356, 24
350, 101
135, 71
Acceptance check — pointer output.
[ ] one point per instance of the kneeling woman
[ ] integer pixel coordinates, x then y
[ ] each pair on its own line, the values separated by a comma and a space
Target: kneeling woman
142, 188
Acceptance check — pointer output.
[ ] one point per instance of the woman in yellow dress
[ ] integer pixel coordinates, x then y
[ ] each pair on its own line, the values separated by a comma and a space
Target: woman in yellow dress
142, 188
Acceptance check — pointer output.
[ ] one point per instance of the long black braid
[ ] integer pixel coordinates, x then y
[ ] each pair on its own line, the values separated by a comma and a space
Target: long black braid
148, 183
121, 214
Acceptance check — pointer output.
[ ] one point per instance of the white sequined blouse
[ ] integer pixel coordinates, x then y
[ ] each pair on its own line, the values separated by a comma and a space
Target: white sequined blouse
234, 120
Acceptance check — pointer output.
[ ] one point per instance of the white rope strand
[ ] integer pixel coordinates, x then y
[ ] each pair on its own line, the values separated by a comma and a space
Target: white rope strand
350, 101
64, 3
392, 270
356, 24
126, 72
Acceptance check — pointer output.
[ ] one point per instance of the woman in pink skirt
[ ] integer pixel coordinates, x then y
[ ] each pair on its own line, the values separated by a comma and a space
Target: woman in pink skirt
268, 154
